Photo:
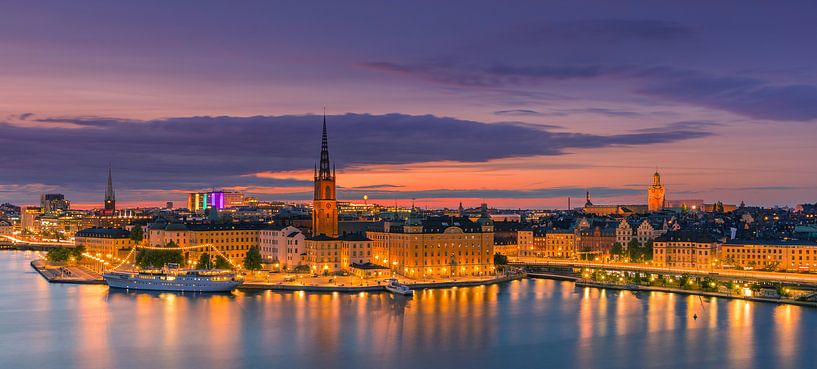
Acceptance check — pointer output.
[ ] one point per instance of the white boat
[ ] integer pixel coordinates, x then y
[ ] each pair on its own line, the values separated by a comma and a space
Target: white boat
170, 279
396, 287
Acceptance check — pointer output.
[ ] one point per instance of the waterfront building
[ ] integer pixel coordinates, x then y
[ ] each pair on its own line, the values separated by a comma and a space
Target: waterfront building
107, 243
434, 247
624, 232
109, 207
596, 239
656, 194
282, 247
560, 243
787, 255
233, 240
512, 237
685, 249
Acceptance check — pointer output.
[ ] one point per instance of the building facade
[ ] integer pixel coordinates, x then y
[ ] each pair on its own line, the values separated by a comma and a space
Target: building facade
435, 247
788, 255
560, 244
685, 250
107, 243
282, 247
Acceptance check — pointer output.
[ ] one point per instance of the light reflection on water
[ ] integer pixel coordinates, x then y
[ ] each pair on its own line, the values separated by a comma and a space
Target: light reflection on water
539, 323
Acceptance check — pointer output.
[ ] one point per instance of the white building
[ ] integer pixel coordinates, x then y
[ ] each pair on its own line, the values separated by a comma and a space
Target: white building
282, 246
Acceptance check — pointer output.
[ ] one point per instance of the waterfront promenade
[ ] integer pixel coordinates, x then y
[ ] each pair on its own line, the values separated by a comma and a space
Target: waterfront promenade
746, 275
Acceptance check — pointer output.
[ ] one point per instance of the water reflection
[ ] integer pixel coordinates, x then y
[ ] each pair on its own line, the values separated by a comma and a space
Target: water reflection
539, 323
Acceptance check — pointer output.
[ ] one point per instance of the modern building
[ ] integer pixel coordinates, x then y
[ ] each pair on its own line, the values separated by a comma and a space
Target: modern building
686, 249
200, 201
656, 194
53, 203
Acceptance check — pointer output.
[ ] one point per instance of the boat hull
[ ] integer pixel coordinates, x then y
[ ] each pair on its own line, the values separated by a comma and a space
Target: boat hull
124, 282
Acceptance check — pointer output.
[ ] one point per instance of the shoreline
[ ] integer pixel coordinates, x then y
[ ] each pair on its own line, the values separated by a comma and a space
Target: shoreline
380, 288
640, 288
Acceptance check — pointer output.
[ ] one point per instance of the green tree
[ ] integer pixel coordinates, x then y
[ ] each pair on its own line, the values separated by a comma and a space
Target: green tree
648, 251
152, 258
58, 254
500, 259
204, 261
77, 252
253, 259
137, 234
616, 249
222, 263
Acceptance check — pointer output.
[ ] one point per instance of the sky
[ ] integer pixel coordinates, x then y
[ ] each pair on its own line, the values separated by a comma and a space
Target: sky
519, 104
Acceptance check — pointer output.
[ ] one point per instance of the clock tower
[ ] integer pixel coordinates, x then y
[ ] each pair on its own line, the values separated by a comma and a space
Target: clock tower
655, 194
325, 207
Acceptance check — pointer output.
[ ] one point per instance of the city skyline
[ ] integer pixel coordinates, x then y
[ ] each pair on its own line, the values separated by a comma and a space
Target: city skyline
519, 107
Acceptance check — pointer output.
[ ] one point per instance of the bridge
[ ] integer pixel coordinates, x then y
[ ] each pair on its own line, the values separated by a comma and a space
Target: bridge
791, 279
12, 243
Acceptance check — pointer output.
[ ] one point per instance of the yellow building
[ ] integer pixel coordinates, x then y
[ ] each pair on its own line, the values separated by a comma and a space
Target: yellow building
435, 247
560, 243
232, 240
771, 254
656, 194
106, 243
685, 250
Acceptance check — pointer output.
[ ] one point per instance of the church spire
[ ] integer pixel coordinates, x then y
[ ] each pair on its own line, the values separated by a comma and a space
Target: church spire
324, 172
110, 196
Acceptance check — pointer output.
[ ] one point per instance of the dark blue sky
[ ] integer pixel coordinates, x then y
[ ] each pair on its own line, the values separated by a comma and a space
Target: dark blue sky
519, 102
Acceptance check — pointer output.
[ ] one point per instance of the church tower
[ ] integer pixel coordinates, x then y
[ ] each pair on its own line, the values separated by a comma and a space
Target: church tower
325, 209
655, 194
110, 197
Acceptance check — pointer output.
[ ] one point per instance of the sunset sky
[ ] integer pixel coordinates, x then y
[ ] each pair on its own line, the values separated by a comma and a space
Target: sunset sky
520, 104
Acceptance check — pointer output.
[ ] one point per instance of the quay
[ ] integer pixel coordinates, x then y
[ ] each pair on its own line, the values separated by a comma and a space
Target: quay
66, 274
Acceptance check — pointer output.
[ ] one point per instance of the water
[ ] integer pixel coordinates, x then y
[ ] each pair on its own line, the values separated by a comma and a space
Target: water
523, 324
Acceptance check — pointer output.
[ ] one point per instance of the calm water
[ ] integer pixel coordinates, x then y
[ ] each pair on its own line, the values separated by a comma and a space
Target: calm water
530, 323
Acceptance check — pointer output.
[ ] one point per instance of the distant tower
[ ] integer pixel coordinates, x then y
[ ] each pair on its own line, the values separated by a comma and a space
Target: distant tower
461, 211
325, 207
110, 197
655, 194
588, 203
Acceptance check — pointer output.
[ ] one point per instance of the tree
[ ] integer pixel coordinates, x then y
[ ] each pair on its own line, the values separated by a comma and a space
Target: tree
635, 250
137, 234
616, 249
58, 254
152, 258
648, 250
204, 261
77, 252
500, 259
253, 259
222, 263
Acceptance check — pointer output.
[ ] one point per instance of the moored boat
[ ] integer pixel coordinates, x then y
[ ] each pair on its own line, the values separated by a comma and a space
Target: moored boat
396, 287
169, 279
